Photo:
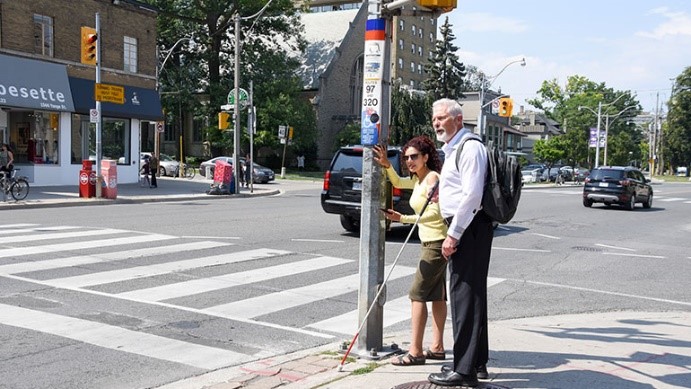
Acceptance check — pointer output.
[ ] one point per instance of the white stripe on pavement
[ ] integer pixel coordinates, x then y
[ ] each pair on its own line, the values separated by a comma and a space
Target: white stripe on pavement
60, 235
120, 339
188, 288
107, 277
81, 245
273, 302
15, 268
37, 229
395, 311
667, 199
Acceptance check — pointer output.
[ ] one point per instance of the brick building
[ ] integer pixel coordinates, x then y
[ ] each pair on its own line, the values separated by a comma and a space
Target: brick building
46, 92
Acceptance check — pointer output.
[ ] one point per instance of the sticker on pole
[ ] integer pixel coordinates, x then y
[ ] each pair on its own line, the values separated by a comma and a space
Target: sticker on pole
370, 120
94, 116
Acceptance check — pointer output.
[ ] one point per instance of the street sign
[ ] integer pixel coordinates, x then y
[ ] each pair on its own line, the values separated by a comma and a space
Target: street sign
160, 127
227, 107
109, 93
244, 98
282, 132
94, 115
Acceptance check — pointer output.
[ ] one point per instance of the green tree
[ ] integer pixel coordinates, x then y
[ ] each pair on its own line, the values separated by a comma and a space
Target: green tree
549, 151
677, 135
575, 106
410, 115
269, 44
445, 73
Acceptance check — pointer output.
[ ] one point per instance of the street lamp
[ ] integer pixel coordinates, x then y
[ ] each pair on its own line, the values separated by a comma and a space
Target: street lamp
607, 123
159, 68
480, 116
599, 121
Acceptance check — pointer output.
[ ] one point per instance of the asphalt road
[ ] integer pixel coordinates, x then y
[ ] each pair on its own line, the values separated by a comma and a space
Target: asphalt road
138, 295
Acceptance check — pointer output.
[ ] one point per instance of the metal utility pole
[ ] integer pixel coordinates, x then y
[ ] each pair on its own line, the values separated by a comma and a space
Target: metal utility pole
99, 178
251, 120
236, 118
374, 130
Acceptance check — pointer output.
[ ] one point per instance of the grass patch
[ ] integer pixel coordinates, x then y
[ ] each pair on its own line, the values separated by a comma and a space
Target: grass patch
366, 369
303, 175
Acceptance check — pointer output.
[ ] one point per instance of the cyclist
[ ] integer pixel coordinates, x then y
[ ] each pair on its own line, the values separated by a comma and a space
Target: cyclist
6, 159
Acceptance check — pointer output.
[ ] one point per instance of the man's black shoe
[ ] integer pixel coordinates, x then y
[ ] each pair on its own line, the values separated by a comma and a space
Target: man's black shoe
482, 372
452, 378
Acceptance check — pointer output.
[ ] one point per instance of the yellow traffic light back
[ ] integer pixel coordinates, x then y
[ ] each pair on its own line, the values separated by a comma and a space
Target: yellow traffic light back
89, 38
223, 119
446, 5
505, 107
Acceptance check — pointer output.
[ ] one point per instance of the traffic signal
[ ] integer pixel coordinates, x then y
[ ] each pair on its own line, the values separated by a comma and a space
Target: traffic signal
223, 120
444, 5
290, 132
89, 38
505, 107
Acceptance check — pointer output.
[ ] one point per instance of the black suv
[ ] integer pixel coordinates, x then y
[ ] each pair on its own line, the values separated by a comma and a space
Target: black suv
342, 189
622, 185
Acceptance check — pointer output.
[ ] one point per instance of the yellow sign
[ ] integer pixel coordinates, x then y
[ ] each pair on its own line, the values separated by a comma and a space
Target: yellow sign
110, 93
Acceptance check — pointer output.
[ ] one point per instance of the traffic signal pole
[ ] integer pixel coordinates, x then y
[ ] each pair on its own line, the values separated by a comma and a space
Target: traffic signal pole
99, 178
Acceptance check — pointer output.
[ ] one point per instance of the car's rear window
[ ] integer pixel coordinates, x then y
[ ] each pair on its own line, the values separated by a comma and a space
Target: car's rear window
350, 161
602, 174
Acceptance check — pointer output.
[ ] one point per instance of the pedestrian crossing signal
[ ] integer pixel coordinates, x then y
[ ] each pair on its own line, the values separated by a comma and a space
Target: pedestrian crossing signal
505, 107
89, 38
223, 120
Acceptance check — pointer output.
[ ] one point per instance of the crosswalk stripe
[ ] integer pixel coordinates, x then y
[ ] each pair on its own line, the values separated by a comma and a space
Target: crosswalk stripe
60, 235
667, 199
395, 311
81, 245
17, 225
273, 302
56, 263
188, 288
9, 231
106, 277
120, 339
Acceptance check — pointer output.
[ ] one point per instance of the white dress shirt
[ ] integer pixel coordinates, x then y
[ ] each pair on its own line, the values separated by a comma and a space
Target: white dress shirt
460, 189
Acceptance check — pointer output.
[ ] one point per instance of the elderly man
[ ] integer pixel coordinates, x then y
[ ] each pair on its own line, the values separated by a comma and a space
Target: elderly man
467, 246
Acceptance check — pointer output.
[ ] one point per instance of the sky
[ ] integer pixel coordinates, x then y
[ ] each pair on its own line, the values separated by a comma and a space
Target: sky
639, 46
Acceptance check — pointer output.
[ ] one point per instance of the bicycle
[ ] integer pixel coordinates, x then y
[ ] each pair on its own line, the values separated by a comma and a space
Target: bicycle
17, 187
187, 172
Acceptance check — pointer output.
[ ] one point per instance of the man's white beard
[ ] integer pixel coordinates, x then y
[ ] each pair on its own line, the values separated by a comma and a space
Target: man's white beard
443, 137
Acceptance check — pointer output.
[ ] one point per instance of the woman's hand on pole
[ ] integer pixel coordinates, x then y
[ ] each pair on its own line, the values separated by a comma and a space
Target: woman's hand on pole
380, 156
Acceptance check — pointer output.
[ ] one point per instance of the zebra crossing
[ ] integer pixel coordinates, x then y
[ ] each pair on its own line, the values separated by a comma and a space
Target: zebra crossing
579, 192
190, 276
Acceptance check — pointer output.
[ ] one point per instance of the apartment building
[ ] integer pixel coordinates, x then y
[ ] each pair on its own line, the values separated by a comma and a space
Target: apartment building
47, 92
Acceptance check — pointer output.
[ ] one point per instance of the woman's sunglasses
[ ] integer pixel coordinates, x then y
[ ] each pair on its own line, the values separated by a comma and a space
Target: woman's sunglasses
411, 157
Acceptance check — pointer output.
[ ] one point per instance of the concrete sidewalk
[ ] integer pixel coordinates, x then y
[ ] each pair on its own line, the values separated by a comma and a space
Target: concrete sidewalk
597, 350
169, 189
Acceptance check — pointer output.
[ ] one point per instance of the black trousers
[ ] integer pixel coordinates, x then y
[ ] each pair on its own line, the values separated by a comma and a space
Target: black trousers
468, 267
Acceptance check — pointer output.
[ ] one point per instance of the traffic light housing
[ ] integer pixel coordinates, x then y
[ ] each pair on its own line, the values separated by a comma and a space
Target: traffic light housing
444, 5
89, 38
505, 107
223, 120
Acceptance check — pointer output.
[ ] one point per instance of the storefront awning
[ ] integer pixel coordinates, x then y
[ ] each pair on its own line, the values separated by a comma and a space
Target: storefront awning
40, 85
140, 103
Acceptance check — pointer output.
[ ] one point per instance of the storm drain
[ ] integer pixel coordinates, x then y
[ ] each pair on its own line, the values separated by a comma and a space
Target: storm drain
586, 248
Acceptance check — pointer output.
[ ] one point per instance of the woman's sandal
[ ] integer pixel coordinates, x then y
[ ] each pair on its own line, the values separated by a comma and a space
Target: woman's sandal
429, 354
408, 360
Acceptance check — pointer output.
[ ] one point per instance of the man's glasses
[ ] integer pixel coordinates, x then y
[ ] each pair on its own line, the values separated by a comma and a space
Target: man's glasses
411, 157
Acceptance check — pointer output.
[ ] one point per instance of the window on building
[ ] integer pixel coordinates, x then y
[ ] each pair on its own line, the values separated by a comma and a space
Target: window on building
419, 69
130, 54
43, 35
356, 75
115, 139
200, 123
401, 24
431, 37
34, 137
401, 44
412, 67
420, 33
413, 29
400, 63
412, 84
412, 48
419, 51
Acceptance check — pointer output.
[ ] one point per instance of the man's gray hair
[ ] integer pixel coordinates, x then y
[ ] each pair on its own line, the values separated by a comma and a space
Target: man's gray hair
453, 108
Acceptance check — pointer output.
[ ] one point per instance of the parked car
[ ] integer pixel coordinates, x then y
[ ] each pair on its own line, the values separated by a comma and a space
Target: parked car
531, 175
260, 174
342, 188
621, 185
551, 174
167, 165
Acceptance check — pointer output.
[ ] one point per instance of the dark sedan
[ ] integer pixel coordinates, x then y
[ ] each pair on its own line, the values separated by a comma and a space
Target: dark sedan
620, 185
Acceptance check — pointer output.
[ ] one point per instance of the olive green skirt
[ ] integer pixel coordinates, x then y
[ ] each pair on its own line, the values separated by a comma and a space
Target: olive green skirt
430, 278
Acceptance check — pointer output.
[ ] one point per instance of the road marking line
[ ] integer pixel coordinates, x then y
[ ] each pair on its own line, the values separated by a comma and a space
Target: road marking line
61, 235
670, 199
395, 311
515, 249
81, 245
636, 255
202, 285
107, 277
120, 339
178, 307
317, 240
546, 236
56, 263
38, 229
18, 225
290, 298
613, 247
209, 237
601, 291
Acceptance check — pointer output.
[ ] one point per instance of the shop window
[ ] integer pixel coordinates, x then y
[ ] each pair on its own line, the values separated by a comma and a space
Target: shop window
34, 136
43, 35
115, 139
130, 54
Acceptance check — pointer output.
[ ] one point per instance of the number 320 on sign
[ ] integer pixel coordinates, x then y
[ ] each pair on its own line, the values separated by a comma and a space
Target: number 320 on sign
370, 102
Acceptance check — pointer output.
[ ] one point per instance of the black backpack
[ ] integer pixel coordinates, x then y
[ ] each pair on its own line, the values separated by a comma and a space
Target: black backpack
503, 183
